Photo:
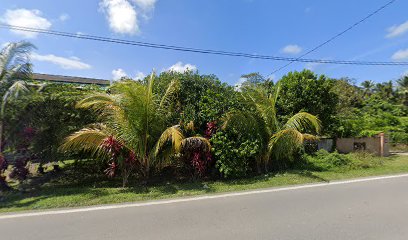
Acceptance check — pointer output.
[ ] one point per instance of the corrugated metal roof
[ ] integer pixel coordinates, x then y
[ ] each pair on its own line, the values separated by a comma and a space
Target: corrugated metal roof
69, 79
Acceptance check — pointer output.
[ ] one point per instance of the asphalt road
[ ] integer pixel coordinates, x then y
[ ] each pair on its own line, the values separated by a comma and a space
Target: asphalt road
360, 210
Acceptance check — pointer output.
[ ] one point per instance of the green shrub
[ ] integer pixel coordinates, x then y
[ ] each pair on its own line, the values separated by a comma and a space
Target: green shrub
323, 160
234, 158
399, 137
365, 160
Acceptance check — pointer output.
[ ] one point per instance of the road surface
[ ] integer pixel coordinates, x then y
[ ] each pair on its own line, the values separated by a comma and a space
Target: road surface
375, 209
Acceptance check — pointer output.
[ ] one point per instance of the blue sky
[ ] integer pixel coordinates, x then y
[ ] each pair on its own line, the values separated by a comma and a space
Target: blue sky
280, 28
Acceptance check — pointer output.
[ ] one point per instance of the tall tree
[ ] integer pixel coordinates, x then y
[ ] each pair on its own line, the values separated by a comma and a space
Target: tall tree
15, 67
368, 86
306, 91
403, 89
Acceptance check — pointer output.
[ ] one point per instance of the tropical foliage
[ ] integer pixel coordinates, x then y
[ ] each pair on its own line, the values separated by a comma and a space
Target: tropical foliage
132, 131
279, 141
187, 125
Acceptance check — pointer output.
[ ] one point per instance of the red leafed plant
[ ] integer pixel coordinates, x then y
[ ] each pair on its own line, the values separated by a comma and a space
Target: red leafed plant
112, 146
211, 129
111, 170
200, 162
120, 159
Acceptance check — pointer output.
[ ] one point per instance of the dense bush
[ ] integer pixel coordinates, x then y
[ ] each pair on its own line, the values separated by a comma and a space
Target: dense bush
364, 160
308, 92
234, 156
200, 98
51, 115
324, 161
399, 137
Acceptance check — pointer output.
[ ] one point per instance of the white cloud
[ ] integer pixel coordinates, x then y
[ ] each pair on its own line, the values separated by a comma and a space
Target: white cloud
400, 55
397, 30
25, 18
63, 17
140, 76
312, 65
121, 15
292, 49
65, 63
181, 68
117, 74
145, 5
238, 84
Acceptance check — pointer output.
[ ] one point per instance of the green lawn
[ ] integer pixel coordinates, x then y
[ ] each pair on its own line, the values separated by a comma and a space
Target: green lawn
93, 191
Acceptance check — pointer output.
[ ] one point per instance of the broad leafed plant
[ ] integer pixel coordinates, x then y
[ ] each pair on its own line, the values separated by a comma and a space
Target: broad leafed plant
279, 141
132, 131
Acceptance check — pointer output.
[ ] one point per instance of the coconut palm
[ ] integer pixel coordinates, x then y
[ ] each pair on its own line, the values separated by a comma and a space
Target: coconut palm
15, 67
278, 140
368, 86
403, 88
132, 131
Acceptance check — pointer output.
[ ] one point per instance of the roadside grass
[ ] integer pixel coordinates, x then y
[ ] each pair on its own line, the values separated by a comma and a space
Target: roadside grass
91, 190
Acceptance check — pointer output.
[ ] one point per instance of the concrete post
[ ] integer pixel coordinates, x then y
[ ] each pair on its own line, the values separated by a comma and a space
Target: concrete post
382, 143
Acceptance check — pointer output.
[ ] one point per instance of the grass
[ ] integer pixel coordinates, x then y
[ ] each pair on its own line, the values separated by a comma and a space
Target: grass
70, 191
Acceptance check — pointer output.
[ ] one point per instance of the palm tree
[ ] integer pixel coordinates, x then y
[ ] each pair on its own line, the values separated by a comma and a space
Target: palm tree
368, 86
14, 68
132, 131
279, 140
403, 88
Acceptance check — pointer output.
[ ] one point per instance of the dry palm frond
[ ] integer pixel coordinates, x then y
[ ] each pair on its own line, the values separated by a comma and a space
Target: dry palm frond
194, 143
190, 126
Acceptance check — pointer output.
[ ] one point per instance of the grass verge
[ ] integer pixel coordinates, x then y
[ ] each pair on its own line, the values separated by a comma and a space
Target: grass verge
96, 191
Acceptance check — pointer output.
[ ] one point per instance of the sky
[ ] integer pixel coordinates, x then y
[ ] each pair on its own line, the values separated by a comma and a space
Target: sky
279, 28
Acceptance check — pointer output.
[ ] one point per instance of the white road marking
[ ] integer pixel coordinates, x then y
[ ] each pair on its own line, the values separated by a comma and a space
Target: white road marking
179, 200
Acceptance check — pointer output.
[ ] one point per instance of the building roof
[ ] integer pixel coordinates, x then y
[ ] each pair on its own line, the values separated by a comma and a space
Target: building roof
69, 79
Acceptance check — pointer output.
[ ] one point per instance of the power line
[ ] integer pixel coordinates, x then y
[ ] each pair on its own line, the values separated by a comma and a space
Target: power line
195, 50
337, 35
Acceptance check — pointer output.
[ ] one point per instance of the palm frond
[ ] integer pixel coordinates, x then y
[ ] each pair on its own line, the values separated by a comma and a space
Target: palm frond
310, 137
97, 101
18, 87
170, 94
192, 143
284, 143
172, 134
264, 105
87, 139
14, 61
241, 121
304, 122
13, 92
